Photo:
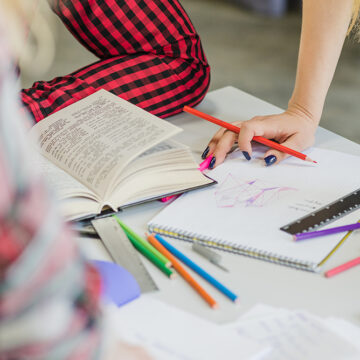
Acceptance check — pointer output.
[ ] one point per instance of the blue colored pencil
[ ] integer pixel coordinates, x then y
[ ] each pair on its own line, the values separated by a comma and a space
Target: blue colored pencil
197, 269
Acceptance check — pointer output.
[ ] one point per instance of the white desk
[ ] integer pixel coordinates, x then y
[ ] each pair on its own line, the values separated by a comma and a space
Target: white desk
253, 280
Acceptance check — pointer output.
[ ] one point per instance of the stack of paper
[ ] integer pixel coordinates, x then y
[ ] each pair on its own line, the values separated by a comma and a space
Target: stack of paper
263, 333
168, 333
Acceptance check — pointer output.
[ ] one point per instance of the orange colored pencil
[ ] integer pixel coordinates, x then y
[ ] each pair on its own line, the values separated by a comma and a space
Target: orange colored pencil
258, 139
180, 269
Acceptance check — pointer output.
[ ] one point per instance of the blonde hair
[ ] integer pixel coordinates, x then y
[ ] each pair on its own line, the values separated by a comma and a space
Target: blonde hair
355, 15
29, 35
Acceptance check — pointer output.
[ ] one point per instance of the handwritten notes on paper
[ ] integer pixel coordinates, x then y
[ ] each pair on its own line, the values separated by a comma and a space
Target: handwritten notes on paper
293, 335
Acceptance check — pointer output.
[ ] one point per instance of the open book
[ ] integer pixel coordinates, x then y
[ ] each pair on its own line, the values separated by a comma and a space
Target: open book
103, 153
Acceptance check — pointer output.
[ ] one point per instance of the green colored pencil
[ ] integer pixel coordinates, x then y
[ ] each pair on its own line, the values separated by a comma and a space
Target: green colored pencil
155, 260
143, 243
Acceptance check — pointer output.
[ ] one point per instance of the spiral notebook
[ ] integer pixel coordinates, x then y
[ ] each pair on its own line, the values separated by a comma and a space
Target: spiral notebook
243, 213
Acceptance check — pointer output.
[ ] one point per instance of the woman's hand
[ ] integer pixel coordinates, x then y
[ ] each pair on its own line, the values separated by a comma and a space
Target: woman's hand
324, 27
294, 128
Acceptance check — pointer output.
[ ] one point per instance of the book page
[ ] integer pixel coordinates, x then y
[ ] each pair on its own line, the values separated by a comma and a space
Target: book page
61, 182
167, 167
95, 138
149, 159
76, 199
251, 202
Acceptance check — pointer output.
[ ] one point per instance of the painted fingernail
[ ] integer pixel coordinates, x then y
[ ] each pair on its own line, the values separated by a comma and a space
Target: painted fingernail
247, 156
212, 162
204, 154
269, 160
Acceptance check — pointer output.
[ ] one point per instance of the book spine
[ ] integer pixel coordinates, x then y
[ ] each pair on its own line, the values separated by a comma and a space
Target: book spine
230, 247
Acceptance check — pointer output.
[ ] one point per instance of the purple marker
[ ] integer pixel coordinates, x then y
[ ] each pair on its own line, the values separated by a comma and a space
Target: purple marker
313, 234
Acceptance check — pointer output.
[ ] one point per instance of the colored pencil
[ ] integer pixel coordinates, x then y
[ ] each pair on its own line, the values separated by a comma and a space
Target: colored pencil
203, 166
258, 139
143, 243
180, 269
167, 198
148, 254
197, 269
339, 269
334, 230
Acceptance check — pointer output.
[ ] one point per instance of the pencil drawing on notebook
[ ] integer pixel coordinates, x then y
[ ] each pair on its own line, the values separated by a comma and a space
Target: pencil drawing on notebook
235, 191
244, 212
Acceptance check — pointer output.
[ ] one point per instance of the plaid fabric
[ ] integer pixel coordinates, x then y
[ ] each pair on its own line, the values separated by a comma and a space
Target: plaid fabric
48, 294
150, 55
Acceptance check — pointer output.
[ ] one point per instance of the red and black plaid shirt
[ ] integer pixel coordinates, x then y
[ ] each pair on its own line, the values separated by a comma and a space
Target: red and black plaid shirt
150, 55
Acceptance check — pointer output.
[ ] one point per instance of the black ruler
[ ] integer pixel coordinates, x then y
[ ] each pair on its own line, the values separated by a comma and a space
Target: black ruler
325, 215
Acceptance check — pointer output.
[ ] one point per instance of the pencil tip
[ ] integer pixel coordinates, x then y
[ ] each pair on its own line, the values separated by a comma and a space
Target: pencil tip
310, 160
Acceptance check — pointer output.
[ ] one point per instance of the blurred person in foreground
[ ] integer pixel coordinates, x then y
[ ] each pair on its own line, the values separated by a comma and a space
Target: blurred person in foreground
325, 24
49, 294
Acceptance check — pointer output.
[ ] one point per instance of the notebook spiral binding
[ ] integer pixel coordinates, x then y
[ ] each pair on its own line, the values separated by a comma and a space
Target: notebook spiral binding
230, 247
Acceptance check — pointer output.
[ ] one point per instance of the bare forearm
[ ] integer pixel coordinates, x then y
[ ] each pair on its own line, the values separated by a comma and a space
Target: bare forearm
324, 28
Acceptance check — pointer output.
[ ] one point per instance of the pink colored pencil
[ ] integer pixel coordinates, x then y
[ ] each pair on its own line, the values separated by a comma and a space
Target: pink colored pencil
205, 164
167, 198
339, 269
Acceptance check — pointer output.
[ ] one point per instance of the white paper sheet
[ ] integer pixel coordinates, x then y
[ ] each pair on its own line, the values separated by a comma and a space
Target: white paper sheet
346, 330
169, 333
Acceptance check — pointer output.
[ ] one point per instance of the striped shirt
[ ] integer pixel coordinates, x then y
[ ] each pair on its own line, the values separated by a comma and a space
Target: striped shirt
48, 293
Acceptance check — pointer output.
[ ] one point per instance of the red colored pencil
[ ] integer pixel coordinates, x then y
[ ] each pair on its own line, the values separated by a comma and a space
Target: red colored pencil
258, 139
339, 269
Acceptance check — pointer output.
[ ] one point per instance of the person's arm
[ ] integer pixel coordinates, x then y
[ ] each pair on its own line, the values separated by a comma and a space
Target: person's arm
324, 28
